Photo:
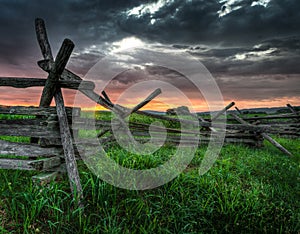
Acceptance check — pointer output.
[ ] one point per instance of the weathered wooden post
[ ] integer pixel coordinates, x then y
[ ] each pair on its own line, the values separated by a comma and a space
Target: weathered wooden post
222, 111
51, 85
51, 89
293, 110
238, 110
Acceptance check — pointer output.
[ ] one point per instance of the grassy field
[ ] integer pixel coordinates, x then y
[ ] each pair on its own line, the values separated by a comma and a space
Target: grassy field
248, 190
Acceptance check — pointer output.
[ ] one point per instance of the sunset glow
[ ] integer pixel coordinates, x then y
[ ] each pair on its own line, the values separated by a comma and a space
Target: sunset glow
31, 97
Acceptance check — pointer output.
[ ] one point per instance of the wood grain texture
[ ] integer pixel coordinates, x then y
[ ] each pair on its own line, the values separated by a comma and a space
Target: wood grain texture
29, 150
54, 75
42, 38
221, 112
28, 130
67, 143
19, 82
264, 135
36, 111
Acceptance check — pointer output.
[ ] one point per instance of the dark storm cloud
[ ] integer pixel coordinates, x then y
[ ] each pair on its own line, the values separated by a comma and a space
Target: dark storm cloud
259, 87
234, 87
248, 43
154, 75
196, 27
17, 27
149, 73
85, 22
198, 21
251, 24
177, 21
276, 56
80, 63
182, 23
132, 76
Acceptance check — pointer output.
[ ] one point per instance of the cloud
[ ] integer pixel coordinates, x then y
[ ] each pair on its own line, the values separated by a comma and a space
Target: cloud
275, 56
246, 39
81, 62
175, 21
188, 23
85, 22
199, 21
259, 87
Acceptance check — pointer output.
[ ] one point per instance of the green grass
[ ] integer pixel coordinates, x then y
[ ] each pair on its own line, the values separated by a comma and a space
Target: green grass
10, 116
247, 190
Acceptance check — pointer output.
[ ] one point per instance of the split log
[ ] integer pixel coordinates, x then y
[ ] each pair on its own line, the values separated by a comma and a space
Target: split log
287, 123
145, 127
264, 135
18, 82
293, 110
148, 99
67, 143
27, 130
203, 140
106, 96
222, 111
269, 117
45, 178
45, 164
178, 136
36, 111
242, 127
16, 164
238, 110
53, 77
36, 165
42, 38
29, 150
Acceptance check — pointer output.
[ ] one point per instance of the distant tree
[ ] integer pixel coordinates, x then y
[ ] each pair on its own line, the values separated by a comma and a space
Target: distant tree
283, 110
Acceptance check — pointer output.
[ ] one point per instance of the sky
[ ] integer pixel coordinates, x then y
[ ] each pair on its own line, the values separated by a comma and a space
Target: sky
251, 47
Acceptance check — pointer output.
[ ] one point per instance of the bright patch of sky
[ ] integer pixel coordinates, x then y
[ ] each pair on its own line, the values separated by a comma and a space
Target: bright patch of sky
150, 8
233, 5
261, 3
93, 49
127, 43
254, 55
228, 7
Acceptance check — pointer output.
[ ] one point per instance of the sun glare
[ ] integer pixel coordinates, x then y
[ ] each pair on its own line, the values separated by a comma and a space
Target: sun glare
127, 43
